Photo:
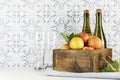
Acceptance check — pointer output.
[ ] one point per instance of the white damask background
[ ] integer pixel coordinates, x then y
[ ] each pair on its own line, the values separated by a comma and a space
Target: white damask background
21, 19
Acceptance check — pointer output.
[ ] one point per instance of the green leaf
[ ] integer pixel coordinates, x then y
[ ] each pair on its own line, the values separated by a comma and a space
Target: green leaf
115, 64
76, 35
71, 36
65, 37
108, 68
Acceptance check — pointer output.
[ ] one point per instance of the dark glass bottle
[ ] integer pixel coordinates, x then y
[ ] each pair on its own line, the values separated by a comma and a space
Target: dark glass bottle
99, 32
86, 24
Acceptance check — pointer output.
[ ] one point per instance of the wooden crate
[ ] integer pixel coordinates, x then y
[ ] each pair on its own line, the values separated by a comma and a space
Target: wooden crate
80, 60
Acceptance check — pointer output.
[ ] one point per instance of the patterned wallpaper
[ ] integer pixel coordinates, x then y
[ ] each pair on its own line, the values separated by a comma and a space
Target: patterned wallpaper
30, 29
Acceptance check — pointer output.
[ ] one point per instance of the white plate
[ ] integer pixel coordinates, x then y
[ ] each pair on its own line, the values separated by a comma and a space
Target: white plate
105, 75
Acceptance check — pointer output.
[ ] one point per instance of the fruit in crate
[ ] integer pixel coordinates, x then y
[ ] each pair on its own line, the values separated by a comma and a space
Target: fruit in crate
81, 41
95, 42
85, 37
88, 48
76, 43
65, 46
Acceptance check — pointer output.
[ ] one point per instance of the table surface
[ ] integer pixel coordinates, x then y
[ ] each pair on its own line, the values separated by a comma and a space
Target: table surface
31, 74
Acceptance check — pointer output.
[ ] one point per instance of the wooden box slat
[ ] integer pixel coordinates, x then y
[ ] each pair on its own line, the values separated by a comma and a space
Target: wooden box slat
80, 60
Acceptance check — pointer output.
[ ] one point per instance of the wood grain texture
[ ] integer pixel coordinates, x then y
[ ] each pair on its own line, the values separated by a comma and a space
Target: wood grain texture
80, 60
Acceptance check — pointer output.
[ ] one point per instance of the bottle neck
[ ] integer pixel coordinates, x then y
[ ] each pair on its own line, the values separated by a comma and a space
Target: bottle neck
86, 24
86, 19
98, 19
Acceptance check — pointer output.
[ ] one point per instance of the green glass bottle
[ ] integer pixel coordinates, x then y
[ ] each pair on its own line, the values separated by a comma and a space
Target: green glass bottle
99, 32
86, 24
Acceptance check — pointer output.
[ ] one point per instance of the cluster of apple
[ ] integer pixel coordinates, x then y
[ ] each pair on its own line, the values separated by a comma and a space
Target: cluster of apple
83, 41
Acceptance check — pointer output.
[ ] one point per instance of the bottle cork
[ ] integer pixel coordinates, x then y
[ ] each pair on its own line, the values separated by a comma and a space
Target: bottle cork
98, 10
86, 11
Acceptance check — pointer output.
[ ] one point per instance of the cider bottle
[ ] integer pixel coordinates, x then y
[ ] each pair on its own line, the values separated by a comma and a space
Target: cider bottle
86, 23
99, 32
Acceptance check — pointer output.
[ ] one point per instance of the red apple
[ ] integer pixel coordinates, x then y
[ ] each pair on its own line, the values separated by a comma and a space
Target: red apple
95, 42
85, 37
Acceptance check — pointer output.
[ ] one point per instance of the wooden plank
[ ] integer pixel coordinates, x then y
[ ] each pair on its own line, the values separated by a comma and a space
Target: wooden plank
71, 53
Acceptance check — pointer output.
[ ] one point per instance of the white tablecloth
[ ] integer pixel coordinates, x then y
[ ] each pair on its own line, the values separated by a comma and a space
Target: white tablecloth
31, 74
